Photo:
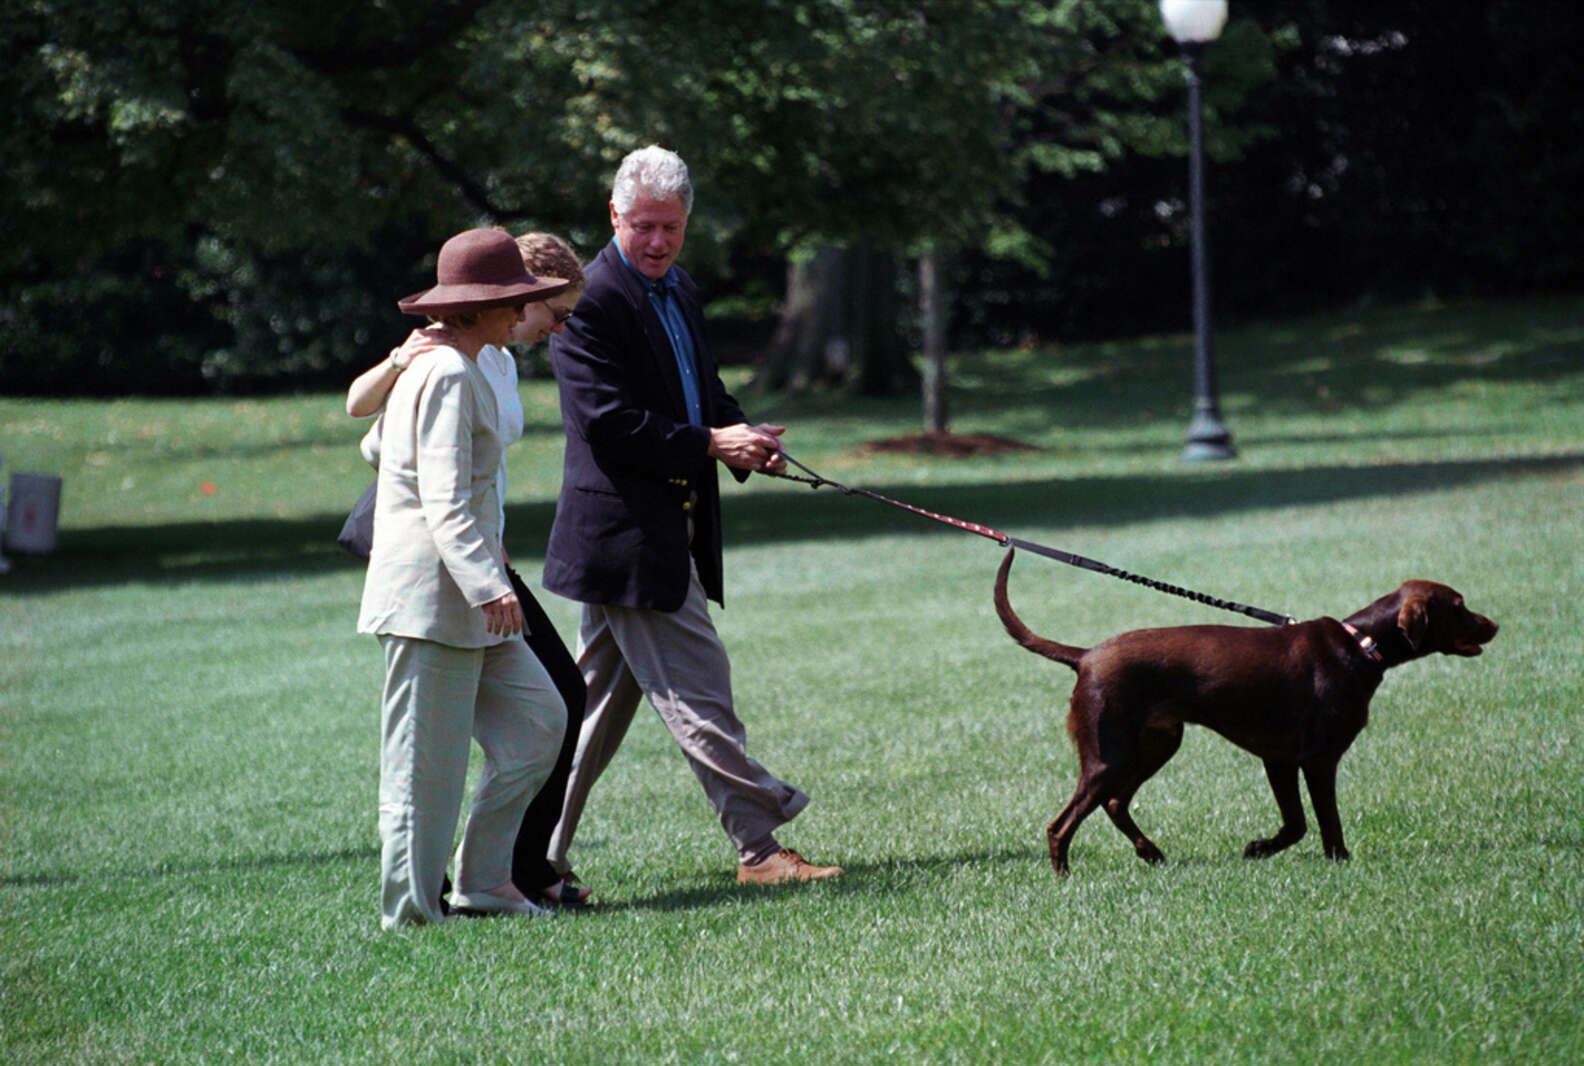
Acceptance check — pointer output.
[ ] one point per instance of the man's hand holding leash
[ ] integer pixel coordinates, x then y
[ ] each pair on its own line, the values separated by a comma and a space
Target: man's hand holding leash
756, 448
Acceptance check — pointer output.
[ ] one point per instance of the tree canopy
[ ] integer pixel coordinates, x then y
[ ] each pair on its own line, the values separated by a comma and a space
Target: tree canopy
209, 195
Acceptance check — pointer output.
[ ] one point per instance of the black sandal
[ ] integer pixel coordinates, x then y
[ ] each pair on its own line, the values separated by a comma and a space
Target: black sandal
578, 900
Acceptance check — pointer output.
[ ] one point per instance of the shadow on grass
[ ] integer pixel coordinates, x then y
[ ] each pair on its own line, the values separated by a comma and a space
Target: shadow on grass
860, 877
266, 550
863, 877
805, 514
1344, 363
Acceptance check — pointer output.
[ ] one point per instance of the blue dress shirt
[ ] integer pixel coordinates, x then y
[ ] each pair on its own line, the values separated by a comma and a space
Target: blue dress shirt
662, 297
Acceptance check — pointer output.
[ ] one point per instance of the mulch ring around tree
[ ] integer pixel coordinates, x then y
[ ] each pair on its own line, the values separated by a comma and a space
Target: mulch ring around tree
949, 445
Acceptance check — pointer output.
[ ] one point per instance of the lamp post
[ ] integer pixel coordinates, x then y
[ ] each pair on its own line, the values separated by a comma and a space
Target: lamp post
1194, 24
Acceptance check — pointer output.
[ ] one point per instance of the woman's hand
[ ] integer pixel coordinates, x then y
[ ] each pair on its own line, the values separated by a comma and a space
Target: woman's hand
504, 616
367, 394
419, 341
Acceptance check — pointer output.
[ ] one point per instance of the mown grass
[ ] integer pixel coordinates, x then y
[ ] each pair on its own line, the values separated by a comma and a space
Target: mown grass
188, 734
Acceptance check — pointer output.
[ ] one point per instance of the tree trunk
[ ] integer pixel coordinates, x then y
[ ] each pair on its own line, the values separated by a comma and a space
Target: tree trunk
838, 327
801, 351
932, 309
879, 356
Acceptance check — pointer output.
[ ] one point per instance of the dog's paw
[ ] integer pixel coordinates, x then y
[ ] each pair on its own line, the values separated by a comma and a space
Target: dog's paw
1263, 849
1337, 853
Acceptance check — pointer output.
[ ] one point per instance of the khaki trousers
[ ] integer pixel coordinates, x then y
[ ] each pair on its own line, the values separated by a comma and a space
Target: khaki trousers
436, 696
677, 660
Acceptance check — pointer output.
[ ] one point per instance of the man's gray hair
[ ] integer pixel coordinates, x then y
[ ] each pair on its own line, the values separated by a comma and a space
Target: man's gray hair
655, 172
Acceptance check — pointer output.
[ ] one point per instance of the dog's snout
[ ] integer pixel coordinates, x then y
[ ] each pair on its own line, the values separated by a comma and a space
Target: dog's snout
1474, 631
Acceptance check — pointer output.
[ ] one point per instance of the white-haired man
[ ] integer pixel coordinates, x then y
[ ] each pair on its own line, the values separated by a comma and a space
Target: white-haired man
637, 535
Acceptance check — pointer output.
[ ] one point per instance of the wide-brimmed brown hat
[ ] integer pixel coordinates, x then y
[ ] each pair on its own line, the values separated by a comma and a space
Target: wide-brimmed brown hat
480, 268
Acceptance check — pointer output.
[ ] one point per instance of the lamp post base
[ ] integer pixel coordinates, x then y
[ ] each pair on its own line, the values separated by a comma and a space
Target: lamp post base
1208, 439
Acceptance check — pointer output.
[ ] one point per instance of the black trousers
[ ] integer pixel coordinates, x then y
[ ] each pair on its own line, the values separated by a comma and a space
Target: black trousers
531, 870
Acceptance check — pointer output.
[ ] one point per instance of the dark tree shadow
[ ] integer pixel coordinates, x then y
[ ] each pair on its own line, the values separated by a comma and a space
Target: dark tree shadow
267, 550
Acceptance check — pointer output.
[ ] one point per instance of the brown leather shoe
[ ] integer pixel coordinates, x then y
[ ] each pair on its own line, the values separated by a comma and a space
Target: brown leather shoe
784, 865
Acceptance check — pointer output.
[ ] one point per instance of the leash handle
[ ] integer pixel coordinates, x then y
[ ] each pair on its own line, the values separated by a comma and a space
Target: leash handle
815, 481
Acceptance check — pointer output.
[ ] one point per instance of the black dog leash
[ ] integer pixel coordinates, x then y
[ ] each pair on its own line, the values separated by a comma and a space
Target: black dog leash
815, 481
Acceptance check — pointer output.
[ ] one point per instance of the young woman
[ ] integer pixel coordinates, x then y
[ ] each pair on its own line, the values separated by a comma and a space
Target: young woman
543, 255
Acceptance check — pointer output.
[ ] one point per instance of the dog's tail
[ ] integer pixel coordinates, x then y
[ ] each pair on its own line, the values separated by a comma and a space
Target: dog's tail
1062, 653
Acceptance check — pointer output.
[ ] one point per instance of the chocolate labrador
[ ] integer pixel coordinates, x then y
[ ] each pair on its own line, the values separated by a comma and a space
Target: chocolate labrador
1294, 695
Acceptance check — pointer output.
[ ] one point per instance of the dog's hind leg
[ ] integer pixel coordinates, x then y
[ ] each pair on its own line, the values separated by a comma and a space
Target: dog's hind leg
1283, 778
1155, 747
1059, 833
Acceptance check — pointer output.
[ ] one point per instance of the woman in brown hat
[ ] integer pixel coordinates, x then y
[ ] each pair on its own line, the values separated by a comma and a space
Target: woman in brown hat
545, 255
438, 597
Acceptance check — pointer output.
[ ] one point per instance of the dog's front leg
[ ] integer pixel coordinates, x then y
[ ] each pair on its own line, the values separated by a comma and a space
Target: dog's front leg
1321, 778
1283, 778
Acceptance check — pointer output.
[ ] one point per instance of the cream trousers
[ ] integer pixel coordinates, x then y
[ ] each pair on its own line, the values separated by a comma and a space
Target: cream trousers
436, 696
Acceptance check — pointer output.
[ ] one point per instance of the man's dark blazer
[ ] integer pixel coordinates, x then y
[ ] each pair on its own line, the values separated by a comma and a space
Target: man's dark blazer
633, 460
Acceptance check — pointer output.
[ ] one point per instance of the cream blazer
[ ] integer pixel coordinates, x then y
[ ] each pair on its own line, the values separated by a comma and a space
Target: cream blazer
436, 558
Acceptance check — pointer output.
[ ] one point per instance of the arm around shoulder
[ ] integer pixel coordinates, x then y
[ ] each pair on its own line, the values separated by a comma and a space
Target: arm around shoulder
367, 394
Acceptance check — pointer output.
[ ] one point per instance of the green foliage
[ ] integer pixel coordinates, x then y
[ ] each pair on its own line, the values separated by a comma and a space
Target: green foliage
188, 738
243, 189
235, 141
228, 157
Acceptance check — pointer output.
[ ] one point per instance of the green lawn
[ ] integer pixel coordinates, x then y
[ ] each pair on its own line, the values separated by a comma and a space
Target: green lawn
188, 731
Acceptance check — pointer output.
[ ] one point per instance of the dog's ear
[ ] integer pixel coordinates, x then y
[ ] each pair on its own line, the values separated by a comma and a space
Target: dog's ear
1414, 619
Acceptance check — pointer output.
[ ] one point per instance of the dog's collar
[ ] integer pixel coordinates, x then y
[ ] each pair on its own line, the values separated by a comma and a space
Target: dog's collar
1365, 641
